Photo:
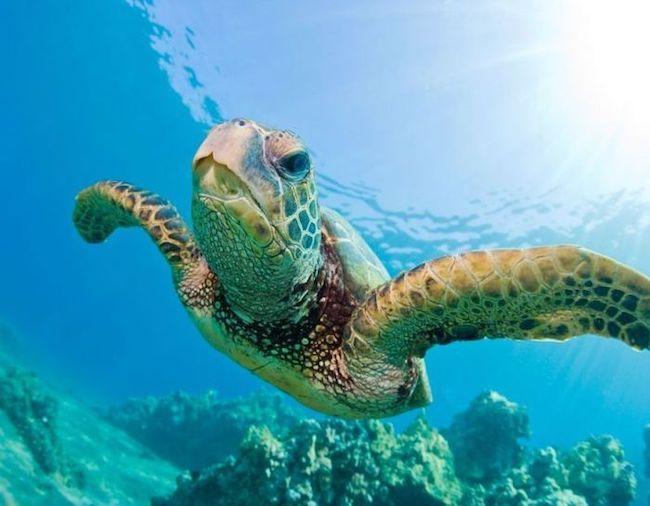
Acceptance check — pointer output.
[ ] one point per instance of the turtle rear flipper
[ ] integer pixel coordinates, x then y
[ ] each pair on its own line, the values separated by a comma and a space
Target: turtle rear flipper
107, 205
551, 293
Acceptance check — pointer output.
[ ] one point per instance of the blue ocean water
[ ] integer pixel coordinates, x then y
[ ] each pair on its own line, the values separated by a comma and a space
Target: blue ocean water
436, 128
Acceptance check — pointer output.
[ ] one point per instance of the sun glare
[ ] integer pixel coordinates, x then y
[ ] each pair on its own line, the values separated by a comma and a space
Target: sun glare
609, 48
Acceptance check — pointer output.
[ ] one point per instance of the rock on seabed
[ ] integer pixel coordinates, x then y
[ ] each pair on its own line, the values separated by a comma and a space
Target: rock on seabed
55, 450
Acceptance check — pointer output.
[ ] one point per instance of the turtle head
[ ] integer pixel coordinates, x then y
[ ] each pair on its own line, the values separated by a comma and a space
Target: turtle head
255, 211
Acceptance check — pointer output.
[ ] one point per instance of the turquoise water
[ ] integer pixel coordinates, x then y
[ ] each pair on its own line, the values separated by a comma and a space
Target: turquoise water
436, 128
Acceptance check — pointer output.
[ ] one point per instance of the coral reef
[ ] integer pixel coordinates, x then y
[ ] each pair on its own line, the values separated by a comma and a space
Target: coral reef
597, 470
359, 463
193, 432
484, 437
488, 457
329, 462
592, 473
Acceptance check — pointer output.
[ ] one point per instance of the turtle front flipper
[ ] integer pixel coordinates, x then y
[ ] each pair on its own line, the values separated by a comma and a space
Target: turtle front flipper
107, 205
552, 293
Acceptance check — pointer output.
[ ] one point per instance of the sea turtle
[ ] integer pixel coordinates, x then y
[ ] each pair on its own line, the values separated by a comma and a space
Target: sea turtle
288, 288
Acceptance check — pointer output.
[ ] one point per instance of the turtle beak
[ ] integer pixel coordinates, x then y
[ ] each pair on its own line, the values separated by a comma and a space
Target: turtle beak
231, 163
217, 181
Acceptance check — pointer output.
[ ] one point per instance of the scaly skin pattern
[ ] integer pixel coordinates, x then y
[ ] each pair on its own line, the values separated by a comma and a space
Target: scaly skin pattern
107, 205
290, 291
304, 358
547, 293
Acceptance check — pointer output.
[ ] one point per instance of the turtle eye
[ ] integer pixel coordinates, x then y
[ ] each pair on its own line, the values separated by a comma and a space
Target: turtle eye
296, 165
